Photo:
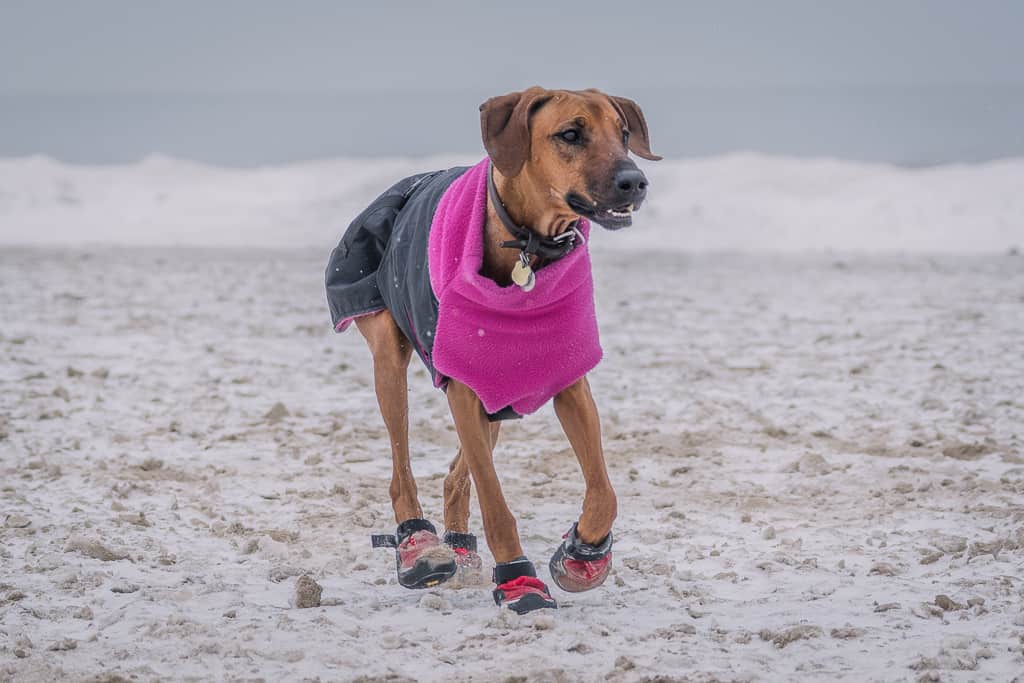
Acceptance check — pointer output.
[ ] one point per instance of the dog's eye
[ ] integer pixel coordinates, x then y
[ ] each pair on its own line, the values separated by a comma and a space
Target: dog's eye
572, 136
625, 138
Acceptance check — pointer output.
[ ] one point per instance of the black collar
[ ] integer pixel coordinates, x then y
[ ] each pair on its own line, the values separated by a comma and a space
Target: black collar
526, 240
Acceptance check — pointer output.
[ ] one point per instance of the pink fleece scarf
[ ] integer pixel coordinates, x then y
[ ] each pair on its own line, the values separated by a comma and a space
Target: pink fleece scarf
513, 348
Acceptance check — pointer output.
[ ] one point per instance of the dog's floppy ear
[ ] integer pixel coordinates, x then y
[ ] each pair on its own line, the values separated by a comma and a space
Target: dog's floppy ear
639, 138
505, 127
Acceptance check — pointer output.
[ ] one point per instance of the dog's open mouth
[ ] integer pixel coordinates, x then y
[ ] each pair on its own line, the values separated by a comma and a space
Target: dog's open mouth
623, 212
612, 218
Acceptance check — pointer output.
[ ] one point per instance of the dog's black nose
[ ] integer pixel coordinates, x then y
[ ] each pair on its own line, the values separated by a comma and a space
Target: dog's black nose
630, 184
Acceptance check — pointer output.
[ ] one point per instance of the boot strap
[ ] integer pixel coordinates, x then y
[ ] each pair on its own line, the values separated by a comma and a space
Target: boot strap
506, 571
404, 531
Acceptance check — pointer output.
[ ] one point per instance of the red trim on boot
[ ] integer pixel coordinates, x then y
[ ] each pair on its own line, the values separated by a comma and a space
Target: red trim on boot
578, 566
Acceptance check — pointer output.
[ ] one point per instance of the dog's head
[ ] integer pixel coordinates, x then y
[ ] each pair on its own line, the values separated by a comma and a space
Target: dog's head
571, 147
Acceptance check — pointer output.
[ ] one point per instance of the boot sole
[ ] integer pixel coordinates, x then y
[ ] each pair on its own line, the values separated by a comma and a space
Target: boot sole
531, 602
427, 574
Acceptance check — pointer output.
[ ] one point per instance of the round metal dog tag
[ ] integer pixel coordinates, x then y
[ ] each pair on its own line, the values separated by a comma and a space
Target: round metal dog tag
523, 276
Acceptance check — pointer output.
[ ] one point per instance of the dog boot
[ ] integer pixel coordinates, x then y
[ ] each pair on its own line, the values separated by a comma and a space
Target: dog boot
423, 561
577, 566
464, 547
519, 589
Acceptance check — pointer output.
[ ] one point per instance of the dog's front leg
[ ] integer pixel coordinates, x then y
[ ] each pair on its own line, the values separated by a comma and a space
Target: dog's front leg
516, 584
476, 449
577, 412
583, 560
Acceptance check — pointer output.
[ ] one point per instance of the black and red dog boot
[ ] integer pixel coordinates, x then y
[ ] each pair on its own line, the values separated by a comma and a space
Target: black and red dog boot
519, 589
423, 560
577, 566
464, 547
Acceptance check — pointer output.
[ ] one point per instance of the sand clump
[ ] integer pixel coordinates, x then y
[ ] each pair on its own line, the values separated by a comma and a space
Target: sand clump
783, 637
277, 413
947, 603
968, 451
17, 522
94, 549
307, 593
125, 588
434, 601
811, 465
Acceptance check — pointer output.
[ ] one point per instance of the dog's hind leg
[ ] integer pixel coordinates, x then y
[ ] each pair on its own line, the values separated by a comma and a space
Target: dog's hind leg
391, 353
422, 560
457, 490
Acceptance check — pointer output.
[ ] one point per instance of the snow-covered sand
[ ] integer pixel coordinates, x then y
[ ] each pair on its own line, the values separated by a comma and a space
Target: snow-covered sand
819, 456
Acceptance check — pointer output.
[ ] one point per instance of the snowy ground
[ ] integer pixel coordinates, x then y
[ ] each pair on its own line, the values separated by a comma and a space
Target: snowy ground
820, 463
819, 456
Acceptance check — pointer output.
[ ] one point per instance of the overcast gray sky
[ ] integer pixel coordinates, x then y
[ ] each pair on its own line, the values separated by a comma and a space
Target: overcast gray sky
320, 45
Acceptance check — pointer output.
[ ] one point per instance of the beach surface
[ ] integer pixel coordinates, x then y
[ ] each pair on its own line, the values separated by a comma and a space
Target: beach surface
818, 446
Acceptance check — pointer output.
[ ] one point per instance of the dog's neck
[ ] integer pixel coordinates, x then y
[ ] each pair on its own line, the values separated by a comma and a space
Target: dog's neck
524, 207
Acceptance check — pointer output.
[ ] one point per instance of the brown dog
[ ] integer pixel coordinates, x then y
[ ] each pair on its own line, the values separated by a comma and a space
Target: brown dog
556, 156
